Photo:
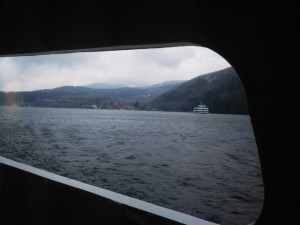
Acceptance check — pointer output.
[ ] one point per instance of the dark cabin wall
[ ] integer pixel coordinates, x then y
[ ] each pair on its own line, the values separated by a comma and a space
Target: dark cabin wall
248, 36
256, 38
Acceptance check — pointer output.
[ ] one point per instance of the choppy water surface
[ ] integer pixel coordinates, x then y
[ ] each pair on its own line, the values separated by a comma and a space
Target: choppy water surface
202, 165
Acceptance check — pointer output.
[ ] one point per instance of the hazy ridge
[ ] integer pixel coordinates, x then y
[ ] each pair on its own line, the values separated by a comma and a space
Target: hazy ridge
222, 91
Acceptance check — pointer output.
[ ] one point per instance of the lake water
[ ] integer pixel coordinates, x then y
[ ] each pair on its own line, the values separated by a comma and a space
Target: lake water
203, 165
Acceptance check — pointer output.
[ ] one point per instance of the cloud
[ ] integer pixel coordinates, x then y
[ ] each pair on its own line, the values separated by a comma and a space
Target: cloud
127, 67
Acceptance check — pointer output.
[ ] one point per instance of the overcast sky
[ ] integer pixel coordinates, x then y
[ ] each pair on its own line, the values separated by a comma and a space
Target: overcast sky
127, 67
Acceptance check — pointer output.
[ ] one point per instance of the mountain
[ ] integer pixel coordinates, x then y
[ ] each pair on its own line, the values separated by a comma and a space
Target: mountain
222, 91
76, 96
68, 89
171, 84
102, 85
165, 85
116, 93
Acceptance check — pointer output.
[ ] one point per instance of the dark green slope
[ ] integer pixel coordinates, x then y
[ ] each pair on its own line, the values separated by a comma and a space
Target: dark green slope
221, 91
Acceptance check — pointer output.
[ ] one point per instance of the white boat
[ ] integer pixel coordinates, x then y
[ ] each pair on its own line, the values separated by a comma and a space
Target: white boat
201, 109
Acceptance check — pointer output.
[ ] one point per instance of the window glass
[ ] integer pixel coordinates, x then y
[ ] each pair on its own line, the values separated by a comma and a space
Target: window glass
168, 126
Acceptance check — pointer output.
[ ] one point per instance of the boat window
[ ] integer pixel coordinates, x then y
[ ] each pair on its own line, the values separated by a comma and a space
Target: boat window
169, 126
